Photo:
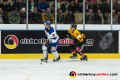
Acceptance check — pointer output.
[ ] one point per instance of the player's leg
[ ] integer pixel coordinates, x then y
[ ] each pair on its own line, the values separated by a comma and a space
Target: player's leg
44, 48
54, 51
81, 53
73, 50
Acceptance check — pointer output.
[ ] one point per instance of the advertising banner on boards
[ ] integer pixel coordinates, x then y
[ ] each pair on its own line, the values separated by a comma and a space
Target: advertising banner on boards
22, 42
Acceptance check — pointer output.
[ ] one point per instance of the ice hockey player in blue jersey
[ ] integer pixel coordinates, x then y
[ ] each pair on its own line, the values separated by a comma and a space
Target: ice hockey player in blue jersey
52, 40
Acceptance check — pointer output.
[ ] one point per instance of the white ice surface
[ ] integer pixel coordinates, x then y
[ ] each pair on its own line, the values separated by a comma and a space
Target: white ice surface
31, 69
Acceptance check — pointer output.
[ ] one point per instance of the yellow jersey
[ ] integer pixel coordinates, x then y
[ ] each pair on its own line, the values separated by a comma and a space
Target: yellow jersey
77, 35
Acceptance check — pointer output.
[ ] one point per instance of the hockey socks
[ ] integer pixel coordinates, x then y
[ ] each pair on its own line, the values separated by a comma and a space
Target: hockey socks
73, 51
56, 59
45, 56
74, 56
56, 54
45, 53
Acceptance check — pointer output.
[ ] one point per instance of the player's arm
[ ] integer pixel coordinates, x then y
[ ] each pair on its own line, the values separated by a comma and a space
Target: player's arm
46, 42
69, 35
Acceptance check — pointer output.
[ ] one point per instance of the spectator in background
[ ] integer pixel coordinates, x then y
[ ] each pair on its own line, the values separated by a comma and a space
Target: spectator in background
42, 6
98, 17
58, 4
114, 1
97, 6
35, 17
71, 0
103, 0
119, 18
115, 18
92, 1
117, 6
68, 0
22, 16
49, 1
48, 17
18, 0
87, 6
31, 5
64, 0
65, 6
107, 7
80, 0
2, 6
59, 0
70, 18
101, 16
60, 17
14, 17
89, 18
20, 5
9, 6
38, 1
3, 17
52, 6
75, 7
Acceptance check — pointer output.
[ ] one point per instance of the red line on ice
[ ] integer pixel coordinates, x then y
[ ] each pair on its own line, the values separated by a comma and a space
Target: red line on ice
19, 72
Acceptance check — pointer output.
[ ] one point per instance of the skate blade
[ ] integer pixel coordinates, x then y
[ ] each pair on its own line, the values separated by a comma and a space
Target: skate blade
87, 60
57, 60
43, 62
83, 60
74, 58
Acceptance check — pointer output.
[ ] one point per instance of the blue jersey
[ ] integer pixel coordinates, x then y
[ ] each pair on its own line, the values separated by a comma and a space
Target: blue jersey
52, 36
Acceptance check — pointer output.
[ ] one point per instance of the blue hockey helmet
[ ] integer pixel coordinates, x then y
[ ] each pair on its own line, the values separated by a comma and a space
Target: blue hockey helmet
47, 23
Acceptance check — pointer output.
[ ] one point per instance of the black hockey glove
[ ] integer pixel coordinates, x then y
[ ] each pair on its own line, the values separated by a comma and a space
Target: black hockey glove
70, 36
47, 43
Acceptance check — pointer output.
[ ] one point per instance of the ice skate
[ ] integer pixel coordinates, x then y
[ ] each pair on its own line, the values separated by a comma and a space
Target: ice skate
45, 58
56, 59
74, 56
84, 58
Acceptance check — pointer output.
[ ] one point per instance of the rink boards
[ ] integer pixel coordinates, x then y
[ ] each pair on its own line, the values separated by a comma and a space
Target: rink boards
63, 56
28, 45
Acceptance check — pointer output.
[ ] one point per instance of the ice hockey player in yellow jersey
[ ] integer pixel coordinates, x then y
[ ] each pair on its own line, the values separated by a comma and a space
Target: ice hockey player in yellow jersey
78, 42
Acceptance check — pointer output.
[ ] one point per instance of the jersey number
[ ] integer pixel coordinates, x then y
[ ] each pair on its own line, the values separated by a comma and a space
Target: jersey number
80, 38
53, 35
